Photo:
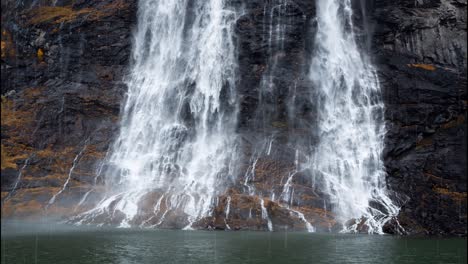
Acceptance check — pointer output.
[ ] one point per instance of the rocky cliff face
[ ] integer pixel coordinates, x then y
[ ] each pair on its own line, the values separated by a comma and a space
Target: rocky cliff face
63, 68
420, 49
62, 72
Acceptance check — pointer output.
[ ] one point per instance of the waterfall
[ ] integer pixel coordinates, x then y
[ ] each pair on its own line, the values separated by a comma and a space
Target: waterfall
347, 162
178, 151
177, 135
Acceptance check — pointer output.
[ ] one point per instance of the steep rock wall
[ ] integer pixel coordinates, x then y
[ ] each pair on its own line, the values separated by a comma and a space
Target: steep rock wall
62, 72
420, 49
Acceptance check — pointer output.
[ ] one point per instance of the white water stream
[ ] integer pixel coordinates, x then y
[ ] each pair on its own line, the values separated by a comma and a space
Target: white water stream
347, 163
17, 181
178, 120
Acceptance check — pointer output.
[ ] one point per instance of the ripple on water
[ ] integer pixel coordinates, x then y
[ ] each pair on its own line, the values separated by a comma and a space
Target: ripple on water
169, 246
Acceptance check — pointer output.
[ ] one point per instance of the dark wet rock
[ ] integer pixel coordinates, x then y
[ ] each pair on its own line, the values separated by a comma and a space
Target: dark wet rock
62, 72
9, 177
420, 50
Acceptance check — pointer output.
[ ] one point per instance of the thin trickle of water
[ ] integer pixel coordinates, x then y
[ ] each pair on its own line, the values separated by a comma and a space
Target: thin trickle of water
250, 175
228, 206
274, 23
286, 194
179, 117
156, 210
85, 196
163, 217
18, 180
74, 163
348, 163
92, 188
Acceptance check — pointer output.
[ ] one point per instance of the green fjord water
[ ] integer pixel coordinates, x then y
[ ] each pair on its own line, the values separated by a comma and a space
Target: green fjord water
57, 245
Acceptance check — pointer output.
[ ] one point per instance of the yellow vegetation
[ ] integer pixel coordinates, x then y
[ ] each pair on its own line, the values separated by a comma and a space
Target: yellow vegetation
93, 153
427, 67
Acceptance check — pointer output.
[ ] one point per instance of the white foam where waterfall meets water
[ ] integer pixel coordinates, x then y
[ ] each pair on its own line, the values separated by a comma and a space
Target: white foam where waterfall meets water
348, 160
180, 112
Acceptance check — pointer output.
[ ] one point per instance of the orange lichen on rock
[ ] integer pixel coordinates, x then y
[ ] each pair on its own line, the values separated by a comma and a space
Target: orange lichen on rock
459, 121
7, 161
55, 14
11, 151
65, 14
269, 171
427, 67
25, 203
3, 48
40, 54
28, 208
33, 93
92, 152
7, 47
456, 196
61, 160
14, 117
424, 142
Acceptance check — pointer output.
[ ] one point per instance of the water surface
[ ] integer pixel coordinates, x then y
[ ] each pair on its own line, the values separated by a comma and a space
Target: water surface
53, 244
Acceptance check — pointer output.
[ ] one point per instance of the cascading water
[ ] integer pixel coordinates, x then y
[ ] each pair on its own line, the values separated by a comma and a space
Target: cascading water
177, 137
177, 148
347, 163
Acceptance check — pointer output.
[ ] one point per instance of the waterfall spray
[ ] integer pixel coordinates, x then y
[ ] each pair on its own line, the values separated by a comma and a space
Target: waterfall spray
177, 130
348, 160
